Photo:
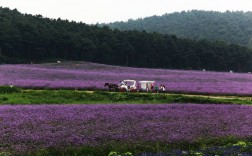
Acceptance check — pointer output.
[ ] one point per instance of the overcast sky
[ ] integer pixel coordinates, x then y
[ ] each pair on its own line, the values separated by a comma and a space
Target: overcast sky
104, 11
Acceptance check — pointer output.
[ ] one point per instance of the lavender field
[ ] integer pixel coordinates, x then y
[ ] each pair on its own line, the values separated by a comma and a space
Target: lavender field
29, 128
93, 76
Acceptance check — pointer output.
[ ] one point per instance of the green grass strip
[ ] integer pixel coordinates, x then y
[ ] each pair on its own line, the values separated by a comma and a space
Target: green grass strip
104, 97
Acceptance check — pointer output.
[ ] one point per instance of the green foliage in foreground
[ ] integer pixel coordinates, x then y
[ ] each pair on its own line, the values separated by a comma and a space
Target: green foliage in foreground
86, 97
217, 146
5, 154
9, 90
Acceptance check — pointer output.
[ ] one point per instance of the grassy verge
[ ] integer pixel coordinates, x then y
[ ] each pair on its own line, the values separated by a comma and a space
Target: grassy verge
220, 146
93, 97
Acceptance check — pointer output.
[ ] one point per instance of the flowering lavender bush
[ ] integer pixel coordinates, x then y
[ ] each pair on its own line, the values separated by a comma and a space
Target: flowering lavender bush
29, 128
93, 76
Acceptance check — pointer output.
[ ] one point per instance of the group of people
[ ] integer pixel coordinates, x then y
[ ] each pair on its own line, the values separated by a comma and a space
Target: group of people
153, 88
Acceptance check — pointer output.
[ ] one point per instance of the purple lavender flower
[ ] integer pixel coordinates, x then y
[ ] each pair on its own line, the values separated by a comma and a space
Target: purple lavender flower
93, 76
34, 127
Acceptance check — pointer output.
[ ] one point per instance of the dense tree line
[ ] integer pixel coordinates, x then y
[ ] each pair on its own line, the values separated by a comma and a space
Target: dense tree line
231, 27
27, 38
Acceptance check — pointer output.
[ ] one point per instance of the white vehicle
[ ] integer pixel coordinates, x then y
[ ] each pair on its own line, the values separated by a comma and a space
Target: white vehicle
146, 85
128, 85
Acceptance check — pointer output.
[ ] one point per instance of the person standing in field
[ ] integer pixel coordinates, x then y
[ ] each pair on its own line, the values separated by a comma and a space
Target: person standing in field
138, 87
122, 83
147, 87
163, 90
156, 88
152, 87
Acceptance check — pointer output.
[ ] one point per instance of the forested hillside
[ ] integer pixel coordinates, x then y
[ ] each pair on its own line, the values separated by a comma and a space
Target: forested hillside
26, 38
232, 27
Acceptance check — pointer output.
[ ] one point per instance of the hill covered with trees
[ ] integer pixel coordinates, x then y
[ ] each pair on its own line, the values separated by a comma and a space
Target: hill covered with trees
231, 27
26, 38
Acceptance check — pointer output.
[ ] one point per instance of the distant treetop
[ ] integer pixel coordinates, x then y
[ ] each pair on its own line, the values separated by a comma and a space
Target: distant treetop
231, 27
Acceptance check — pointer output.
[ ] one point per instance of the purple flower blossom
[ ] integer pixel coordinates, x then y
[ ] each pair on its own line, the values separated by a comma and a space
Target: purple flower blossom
34, 127
93, 76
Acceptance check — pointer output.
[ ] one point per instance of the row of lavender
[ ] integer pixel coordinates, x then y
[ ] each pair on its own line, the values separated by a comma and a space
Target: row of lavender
93, 76
30, 128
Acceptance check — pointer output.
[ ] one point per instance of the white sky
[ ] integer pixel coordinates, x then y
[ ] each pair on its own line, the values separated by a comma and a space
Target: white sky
93, 11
